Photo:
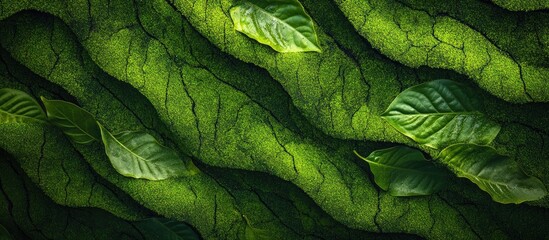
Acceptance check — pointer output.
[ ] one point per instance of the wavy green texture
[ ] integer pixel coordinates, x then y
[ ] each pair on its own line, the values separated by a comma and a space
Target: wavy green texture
29, 214
522, 5
283, 25
366, 82
404, 171
17, 106
74, 121
180, 198
428, 35
152, 47
440, 113
496, 174
168, 229
139, 155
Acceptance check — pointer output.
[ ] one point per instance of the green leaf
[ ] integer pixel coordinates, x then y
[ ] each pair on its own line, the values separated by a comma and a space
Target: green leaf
497, 175
77, 123
163, 228
403, 171
4, 233
18, 106
139, 155
440, 113
282, 24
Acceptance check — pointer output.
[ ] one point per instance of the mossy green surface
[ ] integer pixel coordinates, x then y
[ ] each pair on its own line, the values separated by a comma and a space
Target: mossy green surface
522, 5
469, 37
288, 117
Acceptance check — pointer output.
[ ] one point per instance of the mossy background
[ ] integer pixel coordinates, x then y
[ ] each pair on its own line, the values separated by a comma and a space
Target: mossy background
272, 133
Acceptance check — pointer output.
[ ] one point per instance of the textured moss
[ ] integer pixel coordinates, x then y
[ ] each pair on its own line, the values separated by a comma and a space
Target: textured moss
229, 114
466, 42
66, 181
29, 214
199, 192
522, 5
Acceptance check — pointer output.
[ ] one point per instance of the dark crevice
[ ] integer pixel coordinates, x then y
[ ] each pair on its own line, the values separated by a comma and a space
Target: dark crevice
9, 201
134, 227
283, 147
41, 158
127, 107
27, 201
474, 231
281, 220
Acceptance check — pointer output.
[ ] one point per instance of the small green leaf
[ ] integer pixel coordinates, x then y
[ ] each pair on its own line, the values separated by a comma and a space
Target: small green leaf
139, 155
282, 24
498, 175
440, 113
163, 228
403, 171
18, 106
4, 233
77, 123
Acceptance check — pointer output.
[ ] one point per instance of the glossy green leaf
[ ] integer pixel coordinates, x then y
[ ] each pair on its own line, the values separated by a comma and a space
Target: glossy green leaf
440, 113
77, 123
18, 106
498, 175
139, 155
404, 171
163, 228
4, 233
282, 24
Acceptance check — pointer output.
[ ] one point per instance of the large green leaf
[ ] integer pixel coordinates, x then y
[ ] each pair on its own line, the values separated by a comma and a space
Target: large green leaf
139, 155
18, 106
75, 122
440, 113
498, 175
404, 171
168, 229
282, 24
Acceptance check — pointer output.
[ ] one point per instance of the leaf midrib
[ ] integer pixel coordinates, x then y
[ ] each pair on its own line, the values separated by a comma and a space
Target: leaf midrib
399, 168
437, 114
21, 116
279, 20
77, 126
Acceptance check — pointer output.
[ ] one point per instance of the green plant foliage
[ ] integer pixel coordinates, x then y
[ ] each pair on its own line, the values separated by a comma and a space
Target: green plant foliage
283, 25
439, 113
458, 37
32, 215
17, 106
75, 122
404, 171
163, 228
498, 175
271, 133
140, 155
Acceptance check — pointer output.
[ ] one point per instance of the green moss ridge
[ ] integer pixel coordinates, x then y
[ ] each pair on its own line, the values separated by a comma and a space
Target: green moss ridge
68, 182
522, 5
337, 185
386, 79
28, 213
417, 37
210, 193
